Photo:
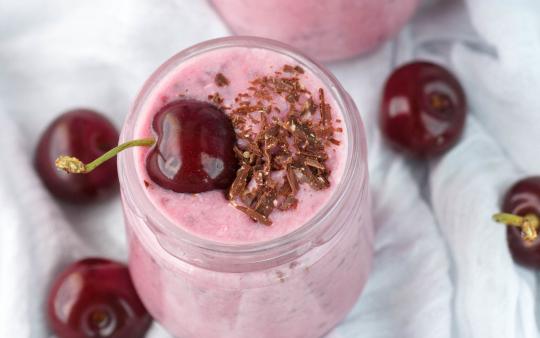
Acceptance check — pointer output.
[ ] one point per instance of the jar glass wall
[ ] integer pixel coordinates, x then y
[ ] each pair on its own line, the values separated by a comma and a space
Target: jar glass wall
298, 285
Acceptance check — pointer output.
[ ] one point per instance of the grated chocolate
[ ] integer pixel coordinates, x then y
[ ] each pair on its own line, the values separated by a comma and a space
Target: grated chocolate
278, 151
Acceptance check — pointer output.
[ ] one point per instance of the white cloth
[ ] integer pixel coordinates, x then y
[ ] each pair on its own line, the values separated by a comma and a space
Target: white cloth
442, 268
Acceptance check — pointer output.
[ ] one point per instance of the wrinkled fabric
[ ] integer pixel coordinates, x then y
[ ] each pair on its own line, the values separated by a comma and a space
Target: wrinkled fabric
442, 268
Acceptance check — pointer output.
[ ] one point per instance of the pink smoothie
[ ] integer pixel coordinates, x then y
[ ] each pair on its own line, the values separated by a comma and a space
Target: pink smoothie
209, 214
206, 270
326, 30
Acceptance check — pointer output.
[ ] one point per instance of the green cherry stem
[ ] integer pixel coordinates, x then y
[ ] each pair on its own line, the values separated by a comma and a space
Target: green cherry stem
528, 224
73, 165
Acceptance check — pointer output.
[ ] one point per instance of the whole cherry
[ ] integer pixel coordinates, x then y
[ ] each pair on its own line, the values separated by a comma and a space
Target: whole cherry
87, 135
521, 206
193, 153
95, 298
195, 148
423, 109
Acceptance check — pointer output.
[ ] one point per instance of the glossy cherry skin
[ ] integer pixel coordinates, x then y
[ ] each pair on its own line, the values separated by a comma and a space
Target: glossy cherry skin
423, 109
95, 297
194, 149
523, 198
84, 134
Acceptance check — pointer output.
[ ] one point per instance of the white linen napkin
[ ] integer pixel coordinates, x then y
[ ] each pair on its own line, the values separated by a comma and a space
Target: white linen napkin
442, 268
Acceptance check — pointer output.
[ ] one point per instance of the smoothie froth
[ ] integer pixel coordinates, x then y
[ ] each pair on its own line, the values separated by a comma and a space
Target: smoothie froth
209, 214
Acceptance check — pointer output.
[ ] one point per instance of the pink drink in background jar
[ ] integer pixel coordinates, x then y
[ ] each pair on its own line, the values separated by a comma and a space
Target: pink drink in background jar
326, 30
206, 270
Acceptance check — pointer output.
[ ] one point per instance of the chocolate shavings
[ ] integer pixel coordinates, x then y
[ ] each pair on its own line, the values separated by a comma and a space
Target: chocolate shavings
278, 150
221, 80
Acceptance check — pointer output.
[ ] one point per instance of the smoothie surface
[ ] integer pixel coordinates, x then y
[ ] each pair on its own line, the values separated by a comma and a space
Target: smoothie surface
210, 215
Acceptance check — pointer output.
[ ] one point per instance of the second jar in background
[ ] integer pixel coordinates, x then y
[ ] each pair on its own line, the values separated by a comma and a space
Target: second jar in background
326, 30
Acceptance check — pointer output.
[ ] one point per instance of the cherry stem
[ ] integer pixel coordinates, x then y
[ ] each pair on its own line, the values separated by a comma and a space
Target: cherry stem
528, 223
73, 165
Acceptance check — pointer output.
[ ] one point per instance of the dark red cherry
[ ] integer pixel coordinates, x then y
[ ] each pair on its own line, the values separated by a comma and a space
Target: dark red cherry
423, 109
194, 150
95, 298
523, 198
86, 135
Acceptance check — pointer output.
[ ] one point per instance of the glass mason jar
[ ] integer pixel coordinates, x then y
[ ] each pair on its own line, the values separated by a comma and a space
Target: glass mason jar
325, 30
298, 285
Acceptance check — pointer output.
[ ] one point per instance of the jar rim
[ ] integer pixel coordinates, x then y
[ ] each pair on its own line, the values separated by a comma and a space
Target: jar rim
137, 199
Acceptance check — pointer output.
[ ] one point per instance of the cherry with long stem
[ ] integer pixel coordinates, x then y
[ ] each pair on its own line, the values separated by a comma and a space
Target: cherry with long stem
193, 151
